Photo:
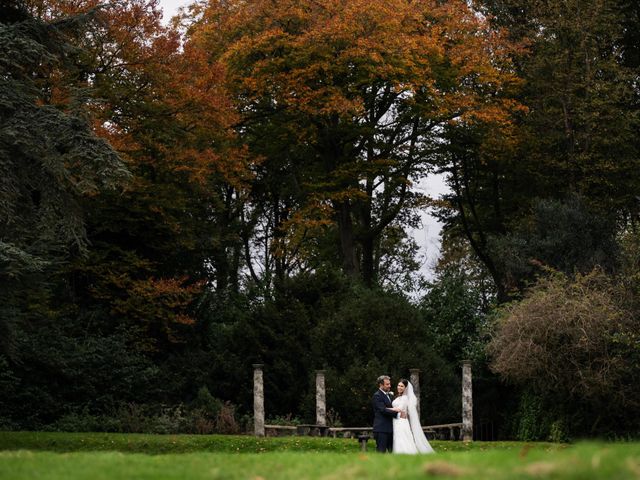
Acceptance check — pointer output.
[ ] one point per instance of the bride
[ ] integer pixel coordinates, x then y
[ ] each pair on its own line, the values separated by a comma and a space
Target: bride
408, 436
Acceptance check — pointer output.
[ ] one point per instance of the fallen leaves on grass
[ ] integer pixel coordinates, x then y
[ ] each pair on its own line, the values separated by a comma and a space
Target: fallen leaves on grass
440, 468
540, 469
354, 471
523, 452
633, 464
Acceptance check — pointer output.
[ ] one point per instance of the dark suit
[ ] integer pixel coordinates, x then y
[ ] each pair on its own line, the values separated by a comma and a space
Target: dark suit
383, 421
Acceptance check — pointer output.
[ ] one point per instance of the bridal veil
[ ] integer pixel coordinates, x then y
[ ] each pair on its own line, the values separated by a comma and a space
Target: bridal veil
414, 421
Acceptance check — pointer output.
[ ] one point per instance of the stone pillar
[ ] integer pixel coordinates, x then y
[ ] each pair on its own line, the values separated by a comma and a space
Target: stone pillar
467, 402
321, 403
258, 400
414, 378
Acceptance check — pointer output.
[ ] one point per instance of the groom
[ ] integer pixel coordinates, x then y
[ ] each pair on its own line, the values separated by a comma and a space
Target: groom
383, 415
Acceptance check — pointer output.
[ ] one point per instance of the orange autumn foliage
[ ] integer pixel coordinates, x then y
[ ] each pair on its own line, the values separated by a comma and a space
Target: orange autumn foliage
162, 105
317, 56
366, 85
138, 59
160, 306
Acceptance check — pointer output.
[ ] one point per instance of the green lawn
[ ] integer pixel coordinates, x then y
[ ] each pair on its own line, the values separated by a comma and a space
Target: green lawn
54, 456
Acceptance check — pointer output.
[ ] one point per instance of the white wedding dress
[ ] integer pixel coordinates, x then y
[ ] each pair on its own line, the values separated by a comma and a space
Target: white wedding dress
408, 436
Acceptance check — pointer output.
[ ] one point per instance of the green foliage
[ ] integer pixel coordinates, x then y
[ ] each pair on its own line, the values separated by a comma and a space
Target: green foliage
84, 421
144, 309
530, 419
457, 310
368, 333
540, 418
324, 321
283, 420
49, 155
151, 418
577, 137
207, 402
454, 310
558, 431
50, 159
62, 376
577, 79
630, 265
561, 235
9, 384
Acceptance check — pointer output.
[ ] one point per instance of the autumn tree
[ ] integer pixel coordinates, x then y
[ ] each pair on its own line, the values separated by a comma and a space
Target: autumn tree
160, 245
173, 231
351, 97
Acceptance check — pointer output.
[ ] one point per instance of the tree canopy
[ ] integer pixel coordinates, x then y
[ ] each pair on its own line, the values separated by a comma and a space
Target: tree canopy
180, 200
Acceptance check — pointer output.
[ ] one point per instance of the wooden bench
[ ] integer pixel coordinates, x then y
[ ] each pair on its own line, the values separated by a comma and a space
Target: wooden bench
279, 430
446, 431
348, 432
436, 431
450, 428
312, 429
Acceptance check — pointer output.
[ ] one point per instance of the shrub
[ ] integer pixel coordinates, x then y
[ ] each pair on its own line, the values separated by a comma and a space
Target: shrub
333, 418
207, 403
571, 343
561, 336
84, 421
201, 423
226, 419
170, 420
131, 418
529, 422
287, 419
371, 333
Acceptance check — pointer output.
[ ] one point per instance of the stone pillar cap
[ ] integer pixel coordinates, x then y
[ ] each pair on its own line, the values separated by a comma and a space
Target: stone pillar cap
258, 365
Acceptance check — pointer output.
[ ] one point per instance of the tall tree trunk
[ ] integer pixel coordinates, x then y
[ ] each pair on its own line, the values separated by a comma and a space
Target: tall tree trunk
279, 257
347, 241
368, 261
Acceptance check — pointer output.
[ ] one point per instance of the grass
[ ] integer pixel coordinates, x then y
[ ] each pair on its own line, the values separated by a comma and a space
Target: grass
160, 444
31, 455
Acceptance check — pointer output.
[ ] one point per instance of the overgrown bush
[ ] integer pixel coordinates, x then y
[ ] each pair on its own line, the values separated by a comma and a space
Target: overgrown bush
226, 419
572, 343
149, 418
83, 421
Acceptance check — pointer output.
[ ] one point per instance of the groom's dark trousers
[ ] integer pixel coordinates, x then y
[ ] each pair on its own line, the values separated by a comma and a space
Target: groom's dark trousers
383, 421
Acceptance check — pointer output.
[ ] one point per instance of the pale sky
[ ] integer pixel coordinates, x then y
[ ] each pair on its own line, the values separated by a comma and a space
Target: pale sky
170, 7
428, 236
